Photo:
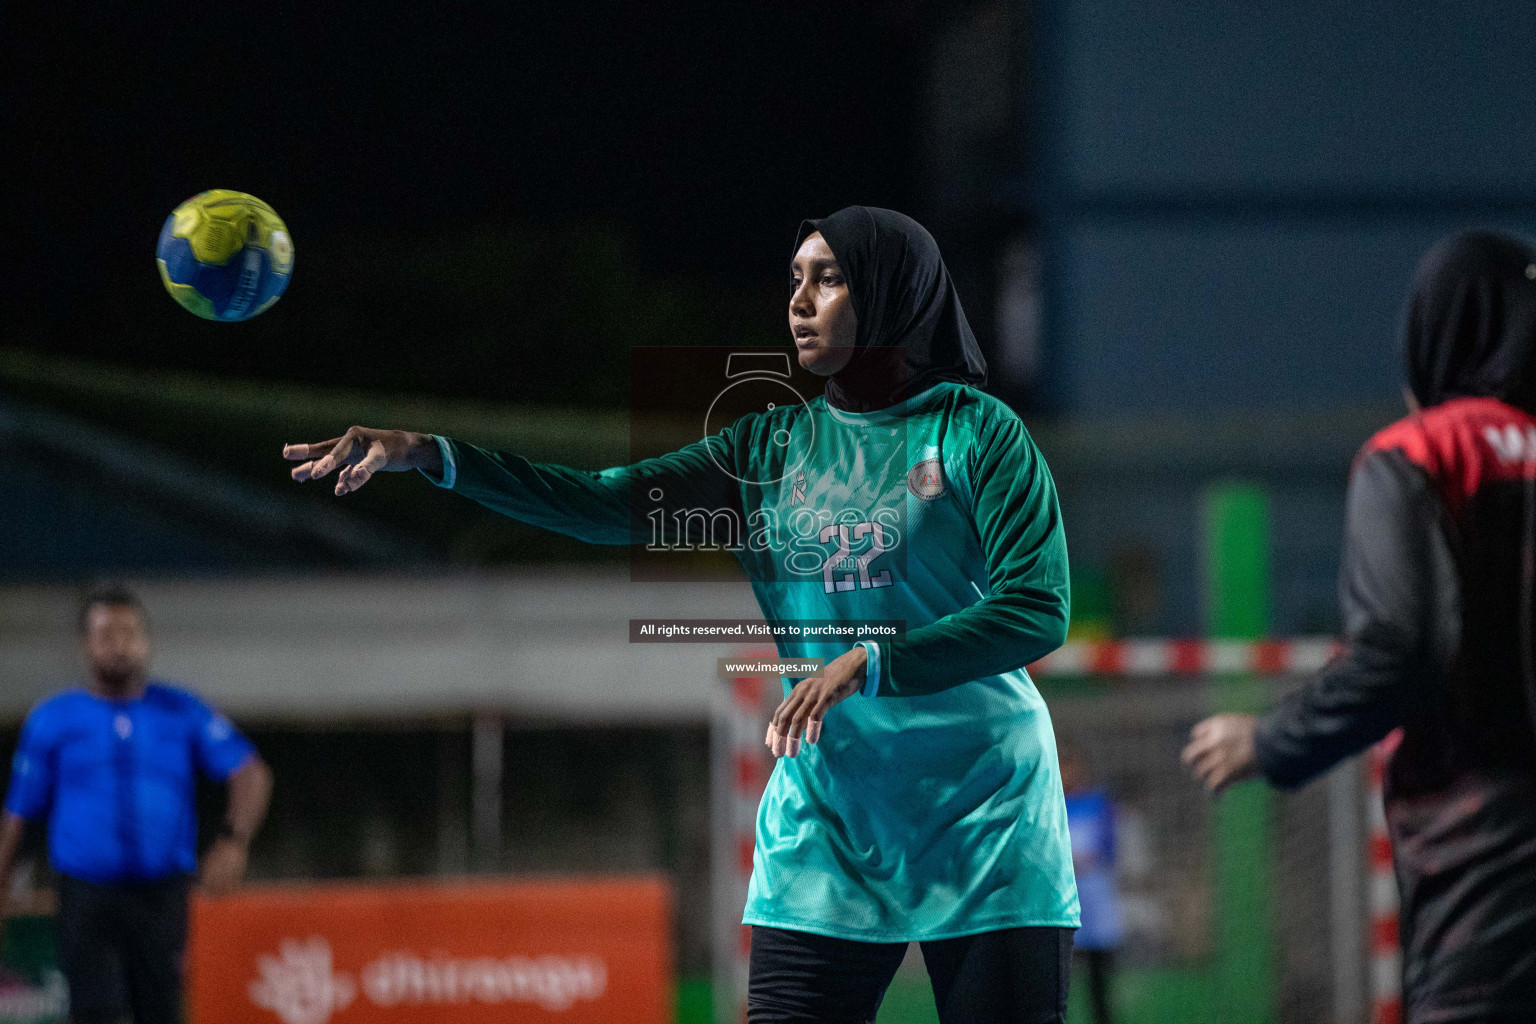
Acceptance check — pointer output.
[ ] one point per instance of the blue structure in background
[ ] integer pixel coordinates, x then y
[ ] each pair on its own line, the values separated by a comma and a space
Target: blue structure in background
1231, 197
1227, 202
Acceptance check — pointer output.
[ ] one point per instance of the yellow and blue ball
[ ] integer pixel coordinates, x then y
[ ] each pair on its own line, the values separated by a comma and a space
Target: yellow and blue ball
225, 255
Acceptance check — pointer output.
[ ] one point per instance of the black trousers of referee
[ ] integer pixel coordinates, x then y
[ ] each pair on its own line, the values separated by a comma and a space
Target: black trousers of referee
1013, 976
121, 945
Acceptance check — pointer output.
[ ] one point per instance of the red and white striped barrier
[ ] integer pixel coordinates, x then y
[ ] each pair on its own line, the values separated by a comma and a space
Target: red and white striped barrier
1156, 657
1386, 952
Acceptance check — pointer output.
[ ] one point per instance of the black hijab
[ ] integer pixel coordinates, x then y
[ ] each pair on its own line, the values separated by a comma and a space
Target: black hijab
912, 331
1471, 329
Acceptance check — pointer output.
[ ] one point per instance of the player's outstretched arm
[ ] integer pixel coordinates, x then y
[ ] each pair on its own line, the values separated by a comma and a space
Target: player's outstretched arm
1401, 598
610, 506
362, 452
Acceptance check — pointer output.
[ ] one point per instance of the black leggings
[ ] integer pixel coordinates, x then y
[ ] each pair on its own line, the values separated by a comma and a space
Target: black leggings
1013, 976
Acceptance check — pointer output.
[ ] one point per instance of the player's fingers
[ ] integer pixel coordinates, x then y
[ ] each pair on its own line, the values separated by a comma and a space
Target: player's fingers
375, 458
775, 739
794, 725
339, 455
777, 718
792, 715
790, 707
792, 734
809, 719
789, 741
356, 476
297, 452
1216, 774
313, 453
813, 705
815, 714
1205, 767
1208, 753
1202, 764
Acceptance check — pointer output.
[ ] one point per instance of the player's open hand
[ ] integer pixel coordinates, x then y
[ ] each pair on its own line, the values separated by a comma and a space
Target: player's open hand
362, 452
1221, 751
808, 703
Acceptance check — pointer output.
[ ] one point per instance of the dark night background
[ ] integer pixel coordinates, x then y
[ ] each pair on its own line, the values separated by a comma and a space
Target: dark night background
479, 196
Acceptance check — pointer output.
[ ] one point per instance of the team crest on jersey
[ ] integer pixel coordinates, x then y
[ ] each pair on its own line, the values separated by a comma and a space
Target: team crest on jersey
797, 496
926, 479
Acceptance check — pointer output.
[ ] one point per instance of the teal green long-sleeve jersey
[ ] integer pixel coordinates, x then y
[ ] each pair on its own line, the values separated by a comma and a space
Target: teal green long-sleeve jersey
932, 805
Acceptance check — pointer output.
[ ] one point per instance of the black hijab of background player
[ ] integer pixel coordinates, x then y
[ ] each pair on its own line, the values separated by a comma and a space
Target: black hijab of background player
1471, 327
912, 332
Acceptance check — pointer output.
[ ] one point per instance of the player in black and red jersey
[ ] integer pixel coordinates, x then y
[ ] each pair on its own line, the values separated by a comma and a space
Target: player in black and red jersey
1438, 588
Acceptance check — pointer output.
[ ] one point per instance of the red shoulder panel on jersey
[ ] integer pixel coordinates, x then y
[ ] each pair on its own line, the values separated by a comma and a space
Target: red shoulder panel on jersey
1463, 444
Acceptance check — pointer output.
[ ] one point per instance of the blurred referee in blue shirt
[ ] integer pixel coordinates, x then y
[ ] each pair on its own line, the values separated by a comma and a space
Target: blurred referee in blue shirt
113, 767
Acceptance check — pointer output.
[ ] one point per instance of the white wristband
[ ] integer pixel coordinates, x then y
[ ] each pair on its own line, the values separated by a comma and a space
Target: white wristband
871, 667
450, 464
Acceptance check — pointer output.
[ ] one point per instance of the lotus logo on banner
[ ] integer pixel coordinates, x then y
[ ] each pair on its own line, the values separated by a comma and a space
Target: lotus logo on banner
301, 984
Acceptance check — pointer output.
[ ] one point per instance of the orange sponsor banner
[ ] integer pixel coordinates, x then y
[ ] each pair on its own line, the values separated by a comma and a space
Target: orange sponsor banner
577, 951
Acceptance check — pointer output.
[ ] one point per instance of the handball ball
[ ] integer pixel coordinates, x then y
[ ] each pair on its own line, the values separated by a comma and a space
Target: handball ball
225, 255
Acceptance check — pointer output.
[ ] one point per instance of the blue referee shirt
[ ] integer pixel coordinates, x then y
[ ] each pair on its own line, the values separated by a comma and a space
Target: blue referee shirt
117, 779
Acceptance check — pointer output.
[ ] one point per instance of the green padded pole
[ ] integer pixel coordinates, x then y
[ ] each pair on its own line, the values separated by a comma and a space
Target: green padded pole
1236, 522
